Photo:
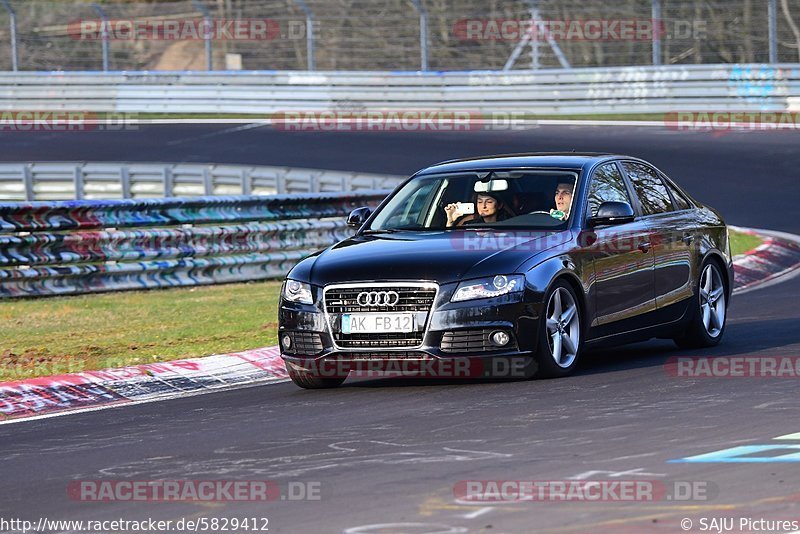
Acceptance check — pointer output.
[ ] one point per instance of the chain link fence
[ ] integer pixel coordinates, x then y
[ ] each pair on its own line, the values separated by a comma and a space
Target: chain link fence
392, 34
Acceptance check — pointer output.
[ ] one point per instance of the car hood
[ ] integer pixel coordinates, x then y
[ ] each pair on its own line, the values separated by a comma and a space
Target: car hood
438, 256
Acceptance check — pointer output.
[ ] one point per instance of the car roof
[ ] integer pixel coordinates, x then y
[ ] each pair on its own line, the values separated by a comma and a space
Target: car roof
560, 160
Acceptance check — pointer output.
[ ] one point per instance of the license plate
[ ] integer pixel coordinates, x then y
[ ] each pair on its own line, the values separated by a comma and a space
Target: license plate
374, 323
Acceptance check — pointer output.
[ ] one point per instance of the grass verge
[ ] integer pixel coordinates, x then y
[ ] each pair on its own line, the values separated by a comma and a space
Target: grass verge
71, 334
42, 337
741, 242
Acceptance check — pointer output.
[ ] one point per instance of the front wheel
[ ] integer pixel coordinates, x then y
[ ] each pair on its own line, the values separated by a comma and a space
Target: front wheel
560, 338
709, 310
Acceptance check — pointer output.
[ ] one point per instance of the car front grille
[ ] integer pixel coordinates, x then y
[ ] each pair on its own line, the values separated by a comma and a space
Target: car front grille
416, 299
412, 299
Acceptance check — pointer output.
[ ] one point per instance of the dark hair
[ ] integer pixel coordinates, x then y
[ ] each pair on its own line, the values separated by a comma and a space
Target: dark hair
569, 180
501, 203
503, 211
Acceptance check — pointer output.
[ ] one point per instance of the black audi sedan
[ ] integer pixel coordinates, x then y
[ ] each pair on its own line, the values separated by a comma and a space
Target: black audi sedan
516, 262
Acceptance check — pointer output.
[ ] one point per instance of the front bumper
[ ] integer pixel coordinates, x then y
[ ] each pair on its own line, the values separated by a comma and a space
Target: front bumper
455, 341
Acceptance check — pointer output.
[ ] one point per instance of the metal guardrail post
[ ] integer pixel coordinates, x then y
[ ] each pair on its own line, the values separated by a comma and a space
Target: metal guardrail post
423, 34
27, 180
13, 23
125, 182
311, 60
772, 14
207, 33
208, 182
657, 28
105, 23
80, 189
169, 185
247, 182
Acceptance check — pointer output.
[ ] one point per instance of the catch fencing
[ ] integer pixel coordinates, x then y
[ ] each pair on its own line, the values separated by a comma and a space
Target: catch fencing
63, 248
44, 35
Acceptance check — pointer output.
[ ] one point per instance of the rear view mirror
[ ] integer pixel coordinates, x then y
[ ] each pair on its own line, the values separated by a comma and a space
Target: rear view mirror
358, 217
491, 185
612, 213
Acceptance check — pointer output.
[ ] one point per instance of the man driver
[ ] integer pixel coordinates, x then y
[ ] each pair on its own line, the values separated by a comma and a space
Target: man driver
563, 199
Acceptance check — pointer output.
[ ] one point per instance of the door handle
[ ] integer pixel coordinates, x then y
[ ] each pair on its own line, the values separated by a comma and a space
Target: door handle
688, 238
644, 247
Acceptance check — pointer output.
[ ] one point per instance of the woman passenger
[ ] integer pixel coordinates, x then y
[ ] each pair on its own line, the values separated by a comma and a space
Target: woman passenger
490, 209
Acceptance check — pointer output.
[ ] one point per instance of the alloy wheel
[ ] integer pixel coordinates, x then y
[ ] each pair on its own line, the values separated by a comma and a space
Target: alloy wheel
563, 327
712, 300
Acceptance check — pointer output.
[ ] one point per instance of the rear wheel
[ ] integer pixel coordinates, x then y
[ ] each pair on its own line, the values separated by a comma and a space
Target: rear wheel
709, 310
560, 332
308, 380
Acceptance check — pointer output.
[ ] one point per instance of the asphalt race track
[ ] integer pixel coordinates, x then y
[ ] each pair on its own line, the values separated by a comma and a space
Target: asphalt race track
745, 174
391, 451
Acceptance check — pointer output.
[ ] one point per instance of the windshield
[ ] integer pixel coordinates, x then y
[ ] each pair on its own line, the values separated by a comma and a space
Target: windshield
479, 200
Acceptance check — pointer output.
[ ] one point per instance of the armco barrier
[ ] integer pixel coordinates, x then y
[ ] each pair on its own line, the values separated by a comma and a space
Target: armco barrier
79, 180
56, 248
747, 87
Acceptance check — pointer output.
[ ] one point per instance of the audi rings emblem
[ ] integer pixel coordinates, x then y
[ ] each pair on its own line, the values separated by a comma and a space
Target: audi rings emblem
377, 298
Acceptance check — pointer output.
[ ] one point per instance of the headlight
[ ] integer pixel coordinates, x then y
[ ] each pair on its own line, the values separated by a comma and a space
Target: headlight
488, 287
295, 291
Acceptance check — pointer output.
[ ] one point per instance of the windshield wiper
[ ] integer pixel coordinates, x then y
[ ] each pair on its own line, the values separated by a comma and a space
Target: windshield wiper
380, 231
394, 230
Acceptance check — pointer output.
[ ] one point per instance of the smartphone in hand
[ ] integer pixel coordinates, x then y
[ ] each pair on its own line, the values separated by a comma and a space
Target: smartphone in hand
464, 208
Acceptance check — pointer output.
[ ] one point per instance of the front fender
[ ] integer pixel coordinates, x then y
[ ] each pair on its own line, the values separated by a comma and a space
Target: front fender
540, 278
715, 244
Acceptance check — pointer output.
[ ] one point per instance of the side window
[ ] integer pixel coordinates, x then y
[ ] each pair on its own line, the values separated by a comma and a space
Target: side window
607, 186
680, 200
649, 188
408, 213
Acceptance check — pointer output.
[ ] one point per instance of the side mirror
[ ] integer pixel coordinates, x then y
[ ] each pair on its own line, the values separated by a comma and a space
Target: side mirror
358, 217
612, 213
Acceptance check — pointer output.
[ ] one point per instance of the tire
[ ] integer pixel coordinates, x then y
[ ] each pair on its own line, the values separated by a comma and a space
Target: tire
307, 380
560, 334
708, 316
